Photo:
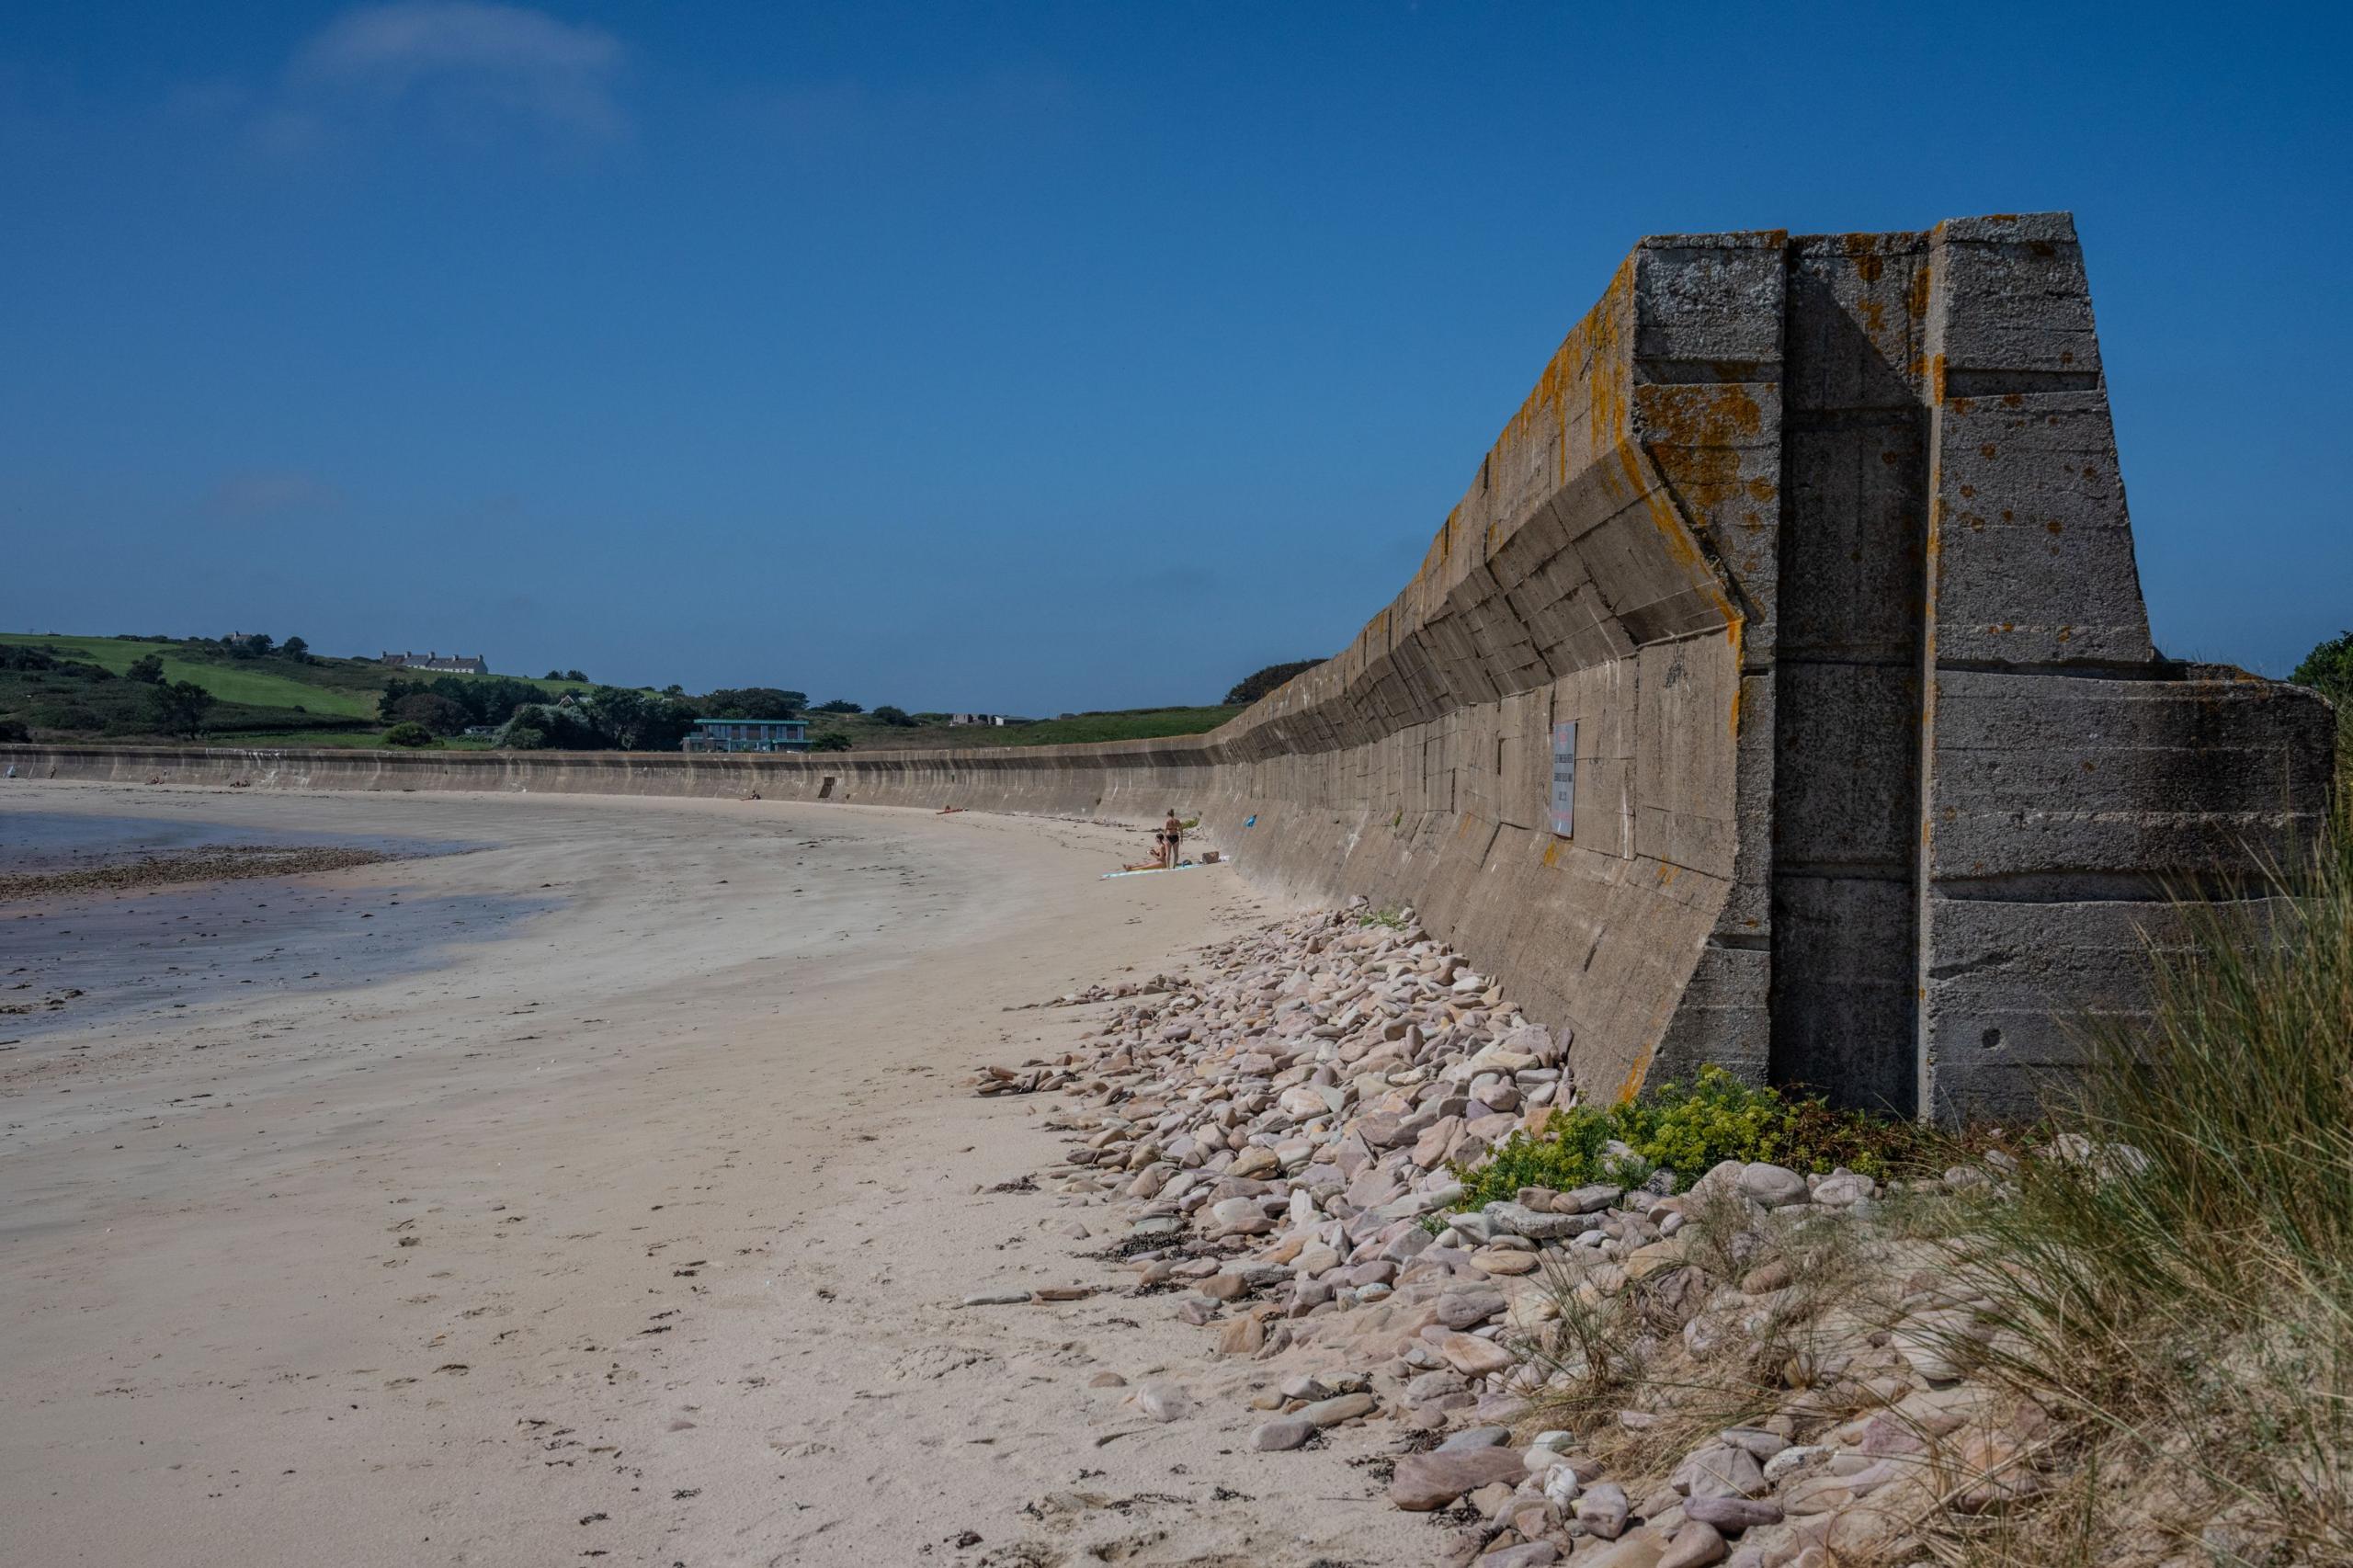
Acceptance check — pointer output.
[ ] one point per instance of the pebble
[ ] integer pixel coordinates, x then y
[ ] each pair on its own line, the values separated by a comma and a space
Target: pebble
1339, 1408
1775, 1187
1467, 1309
1789, 1460
1518, 1219
1639, 1549
1252, 1163
1603, 1509
1473, 1438
1282, 1435
1721, 1471
1733, 1514
1235, 1211
1425, 1481
1163, 1402
1761, 1446
1503, 1261
1471, 1356
1243, 1336
1490, 1499
1842, 1188
1696, 1545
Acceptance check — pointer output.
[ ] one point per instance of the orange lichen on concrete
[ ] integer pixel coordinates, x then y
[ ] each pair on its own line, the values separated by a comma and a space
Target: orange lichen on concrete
1605, 375
1864, 251
1694, 434
1586, 356
1631, 1084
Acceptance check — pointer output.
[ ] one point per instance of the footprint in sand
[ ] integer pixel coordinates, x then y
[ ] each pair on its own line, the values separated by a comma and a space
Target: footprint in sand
931, 1362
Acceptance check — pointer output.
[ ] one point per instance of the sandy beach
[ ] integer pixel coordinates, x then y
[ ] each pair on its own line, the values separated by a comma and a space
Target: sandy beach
622, 1214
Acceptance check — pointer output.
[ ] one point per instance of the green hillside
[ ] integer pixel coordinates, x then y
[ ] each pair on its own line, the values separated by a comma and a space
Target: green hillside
336, 687
82, 689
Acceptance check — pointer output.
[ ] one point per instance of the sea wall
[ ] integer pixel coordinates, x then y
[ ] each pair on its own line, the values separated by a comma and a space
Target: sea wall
1780, 694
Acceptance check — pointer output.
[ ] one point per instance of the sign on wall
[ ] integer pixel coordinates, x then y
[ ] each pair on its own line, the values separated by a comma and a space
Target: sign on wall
1564, 779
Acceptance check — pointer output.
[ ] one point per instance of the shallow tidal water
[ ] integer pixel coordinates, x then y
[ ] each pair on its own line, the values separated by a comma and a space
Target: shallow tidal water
145, 956
53, 841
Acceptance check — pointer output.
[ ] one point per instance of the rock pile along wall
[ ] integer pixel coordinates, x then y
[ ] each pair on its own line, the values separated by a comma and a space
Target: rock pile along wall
1820, 544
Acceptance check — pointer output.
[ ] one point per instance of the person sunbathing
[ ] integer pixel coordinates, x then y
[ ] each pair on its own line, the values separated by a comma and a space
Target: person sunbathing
1168, 844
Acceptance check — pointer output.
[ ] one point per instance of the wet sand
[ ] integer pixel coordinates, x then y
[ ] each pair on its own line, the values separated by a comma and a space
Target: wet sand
629, 1229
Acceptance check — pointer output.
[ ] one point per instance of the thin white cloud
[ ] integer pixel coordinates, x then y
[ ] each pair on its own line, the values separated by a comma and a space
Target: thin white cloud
469, 60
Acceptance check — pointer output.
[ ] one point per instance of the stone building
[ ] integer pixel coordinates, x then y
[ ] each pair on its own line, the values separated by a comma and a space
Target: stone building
439, 663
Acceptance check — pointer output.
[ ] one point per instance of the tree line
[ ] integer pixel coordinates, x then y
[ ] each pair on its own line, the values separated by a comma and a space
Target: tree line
260, 645
588, 718
447, 705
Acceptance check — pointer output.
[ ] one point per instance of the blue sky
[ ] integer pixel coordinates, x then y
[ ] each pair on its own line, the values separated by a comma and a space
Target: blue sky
1041, 357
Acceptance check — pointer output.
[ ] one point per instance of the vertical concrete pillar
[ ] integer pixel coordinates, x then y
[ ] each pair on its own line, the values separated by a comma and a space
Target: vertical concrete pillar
2067, 773
1854, 464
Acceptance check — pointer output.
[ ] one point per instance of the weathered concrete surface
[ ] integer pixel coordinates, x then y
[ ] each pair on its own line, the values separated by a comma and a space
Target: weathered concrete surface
1821, 543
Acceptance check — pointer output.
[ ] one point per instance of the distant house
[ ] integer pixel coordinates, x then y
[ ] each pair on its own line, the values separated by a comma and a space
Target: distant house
445, 664
995, 719
749, 734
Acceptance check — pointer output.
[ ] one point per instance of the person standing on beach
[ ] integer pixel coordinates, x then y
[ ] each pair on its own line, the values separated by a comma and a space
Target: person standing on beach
1172, 839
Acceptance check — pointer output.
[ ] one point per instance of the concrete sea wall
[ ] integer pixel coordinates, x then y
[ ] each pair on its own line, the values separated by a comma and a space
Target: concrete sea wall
1809, 556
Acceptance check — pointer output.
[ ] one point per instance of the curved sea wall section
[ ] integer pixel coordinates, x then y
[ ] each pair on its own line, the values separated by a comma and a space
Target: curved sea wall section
1780, 694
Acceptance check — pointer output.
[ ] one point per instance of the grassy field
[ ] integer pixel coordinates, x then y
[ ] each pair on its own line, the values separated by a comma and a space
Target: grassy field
254, 683
268, 700
276, 701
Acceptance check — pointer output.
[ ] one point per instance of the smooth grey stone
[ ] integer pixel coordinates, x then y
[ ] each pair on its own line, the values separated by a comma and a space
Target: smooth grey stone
1472, 1438
1282, 1435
